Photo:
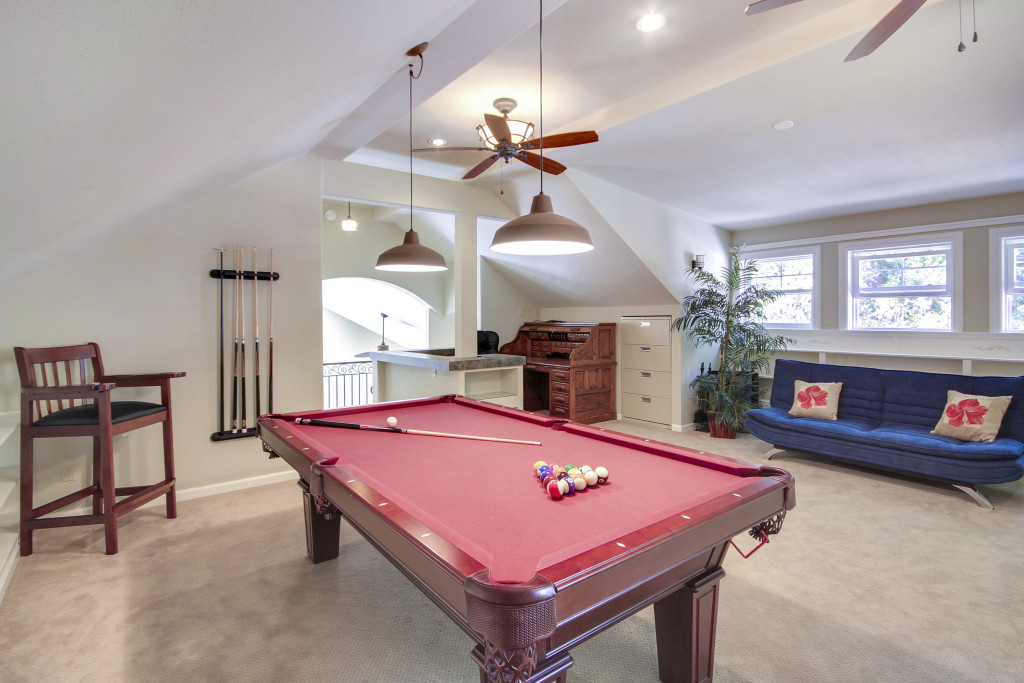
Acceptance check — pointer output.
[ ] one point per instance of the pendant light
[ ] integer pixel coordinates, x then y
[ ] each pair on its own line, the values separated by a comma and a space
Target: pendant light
349, 224
542, 232
411, 256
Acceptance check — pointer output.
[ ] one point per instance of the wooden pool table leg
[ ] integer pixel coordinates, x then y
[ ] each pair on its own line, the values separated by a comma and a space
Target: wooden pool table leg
685, 626
323, 531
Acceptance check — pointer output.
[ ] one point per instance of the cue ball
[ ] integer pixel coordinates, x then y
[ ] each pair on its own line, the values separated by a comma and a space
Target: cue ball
392, 421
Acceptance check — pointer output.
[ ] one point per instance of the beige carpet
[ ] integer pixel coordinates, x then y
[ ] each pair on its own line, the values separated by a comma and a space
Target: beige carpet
873, 578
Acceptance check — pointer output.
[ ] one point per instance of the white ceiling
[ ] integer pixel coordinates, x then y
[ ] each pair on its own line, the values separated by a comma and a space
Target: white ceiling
115, 112
685, 114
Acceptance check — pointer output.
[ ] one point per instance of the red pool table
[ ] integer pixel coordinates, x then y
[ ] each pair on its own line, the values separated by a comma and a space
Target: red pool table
528, 577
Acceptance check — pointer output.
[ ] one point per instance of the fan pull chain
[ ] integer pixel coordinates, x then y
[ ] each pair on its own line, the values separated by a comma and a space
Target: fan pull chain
961, 47
974, 21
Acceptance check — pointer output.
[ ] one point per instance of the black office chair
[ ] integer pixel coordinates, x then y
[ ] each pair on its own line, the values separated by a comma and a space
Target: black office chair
486, 342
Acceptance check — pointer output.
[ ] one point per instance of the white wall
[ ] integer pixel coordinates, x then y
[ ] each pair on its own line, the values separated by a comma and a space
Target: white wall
147, 298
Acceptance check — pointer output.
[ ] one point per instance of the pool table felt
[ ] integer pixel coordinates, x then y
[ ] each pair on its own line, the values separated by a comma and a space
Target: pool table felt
483, 496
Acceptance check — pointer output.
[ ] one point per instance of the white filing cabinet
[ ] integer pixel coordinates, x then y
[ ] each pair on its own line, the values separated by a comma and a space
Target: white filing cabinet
647, 367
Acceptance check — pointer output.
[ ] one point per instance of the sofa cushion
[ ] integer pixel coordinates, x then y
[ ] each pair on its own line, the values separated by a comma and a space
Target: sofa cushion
819, 399
918, 398
834, 439
972, 418
861, 398
898, 437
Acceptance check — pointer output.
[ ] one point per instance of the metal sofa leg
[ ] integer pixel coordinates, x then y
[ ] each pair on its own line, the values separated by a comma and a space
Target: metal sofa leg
976, 495
773, 452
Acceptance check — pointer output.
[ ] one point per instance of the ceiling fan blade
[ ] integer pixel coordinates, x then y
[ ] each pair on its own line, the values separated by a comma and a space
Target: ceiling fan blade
889, 24
581, 137
759, 6
498, 127
453, 149
550, 165
480, 168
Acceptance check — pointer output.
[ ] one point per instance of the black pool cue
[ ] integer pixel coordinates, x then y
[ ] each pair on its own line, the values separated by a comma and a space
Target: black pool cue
220, 383
234, 360
241, 392
256, 333
270, 365
399, 430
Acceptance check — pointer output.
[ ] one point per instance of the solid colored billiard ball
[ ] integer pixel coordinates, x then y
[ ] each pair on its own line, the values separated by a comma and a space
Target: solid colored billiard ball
537, 465
554, 489
548, 479
602, 475
591, 477
544, 471
392, 421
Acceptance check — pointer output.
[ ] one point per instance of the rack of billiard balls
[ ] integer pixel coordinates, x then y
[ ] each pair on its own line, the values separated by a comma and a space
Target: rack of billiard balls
564, 480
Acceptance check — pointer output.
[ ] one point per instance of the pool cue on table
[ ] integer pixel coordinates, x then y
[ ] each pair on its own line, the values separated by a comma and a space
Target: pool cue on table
234, 360
241, 391
220, 383
270, 364
400, 430
256, 333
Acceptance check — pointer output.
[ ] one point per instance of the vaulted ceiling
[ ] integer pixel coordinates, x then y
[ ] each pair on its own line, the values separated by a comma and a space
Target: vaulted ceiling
115, 112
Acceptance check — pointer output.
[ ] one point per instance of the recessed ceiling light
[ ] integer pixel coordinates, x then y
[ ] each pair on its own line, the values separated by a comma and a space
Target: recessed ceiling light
782, 125
437, 142
650, 22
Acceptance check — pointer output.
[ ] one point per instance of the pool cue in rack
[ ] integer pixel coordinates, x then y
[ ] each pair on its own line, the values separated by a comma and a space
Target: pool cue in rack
239, 420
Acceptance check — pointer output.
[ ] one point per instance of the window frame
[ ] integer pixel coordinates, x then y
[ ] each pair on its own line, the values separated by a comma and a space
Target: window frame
851, 253
1002, 241
787, 253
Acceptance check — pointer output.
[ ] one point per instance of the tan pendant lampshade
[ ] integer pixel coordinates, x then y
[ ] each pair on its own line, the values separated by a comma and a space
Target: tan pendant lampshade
411, 257
542, 232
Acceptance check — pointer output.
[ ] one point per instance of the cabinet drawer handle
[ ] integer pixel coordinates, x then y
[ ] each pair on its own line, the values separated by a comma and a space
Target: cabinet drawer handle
645, 374
645, 348
645, 399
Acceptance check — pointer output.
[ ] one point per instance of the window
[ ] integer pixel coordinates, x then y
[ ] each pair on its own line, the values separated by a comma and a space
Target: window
901, 284
1013, 283
795, 274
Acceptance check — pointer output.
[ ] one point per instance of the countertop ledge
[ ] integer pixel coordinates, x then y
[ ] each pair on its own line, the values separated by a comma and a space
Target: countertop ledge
425, 359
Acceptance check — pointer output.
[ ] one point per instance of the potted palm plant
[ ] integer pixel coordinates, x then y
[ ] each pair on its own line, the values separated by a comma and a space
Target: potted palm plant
725, 310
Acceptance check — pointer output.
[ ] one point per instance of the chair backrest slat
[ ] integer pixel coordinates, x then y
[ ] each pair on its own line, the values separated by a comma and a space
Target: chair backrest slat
46, 367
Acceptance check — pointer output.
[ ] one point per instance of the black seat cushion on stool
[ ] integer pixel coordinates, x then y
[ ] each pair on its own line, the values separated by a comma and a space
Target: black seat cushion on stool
89, 414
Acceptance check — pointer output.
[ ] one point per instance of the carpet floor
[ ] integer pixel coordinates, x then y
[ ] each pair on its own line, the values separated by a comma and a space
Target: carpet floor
874, 577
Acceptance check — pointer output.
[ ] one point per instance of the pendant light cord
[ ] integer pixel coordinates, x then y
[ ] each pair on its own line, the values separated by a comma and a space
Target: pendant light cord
411, 77
541, 53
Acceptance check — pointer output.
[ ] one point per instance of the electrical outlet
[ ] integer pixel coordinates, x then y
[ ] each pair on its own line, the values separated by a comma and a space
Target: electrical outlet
67, 473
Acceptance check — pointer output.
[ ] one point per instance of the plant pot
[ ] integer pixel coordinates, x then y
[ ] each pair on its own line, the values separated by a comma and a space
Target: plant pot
721, 431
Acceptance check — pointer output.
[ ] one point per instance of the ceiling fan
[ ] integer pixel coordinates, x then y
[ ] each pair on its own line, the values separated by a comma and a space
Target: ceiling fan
503, 144
881, 32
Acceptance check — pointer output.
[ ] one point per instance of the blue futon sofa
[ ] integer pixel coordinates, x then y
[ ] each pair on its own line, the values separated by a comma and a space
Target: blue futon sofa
884, 419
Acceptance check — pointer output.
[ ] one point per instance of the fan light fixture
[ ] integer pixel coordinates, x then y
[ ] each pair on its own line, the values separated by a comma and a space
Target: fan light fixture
520, 130
650, 22
437, 142
410, 256
349, 224
541, 232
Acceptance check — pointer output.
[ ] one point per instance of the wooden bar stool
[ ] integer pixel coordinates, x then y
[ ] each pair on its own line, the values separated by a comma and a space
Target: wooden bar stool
64, 395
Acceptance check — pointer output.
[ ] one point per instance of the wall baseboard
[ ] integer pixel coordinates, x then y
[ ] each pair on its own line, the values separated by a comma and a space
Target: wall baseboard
10, 562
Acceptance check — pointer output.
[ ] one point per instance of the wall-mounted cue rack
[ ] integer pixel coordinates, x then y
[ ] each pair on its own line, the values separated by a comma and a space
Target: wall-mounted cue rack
245, 287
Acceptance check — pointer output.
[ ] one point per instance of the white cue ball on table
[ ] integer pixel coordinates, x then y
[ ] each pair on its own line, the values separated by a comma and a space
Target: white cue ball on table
392, 421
